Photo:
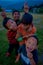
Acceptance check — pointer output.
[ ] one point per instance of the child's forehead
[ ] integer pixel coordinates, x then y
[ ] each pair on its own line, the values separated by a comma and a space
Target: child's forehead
10, 20
16, 13
31, 40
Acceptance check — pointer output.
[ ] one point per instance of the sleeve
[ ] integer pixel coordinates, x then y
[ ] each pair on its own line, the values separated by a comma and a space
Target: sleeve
25, 59
19, 50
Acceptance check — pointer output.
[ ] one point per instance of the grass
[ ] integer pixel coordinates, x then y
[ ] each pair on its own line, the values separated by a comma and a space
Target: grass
3, 49
4, 42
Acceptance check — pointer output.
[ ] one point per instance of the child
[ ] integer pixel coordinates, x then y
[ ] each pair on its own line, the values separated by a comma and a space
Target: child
32, 47
28, 52
11, 26
26, 28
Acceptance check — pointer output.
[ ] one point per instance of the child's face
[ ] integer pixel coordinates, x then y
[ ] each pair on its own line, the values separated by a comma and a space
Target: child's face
31, 44
26, 8
3, 14
11, 25
16, 16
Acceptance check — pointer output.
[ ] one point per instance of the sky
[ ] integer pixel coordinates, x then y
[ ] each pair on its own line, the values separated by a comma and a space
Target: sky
7, 3
15, 1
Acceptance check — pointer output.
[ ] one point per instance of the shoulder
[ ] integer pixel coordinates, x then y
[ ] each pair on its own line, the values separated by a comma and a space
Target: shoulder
35, 51
35, 56
30, 15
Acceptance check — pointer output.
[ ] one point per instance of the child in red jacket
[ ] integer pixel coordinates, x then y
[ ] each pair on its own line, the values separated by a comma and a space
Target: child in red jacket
11, 26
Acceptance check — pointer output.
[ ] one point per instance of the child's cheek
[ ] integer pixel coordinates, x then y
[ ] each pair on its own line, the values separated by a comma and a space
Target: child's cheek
10, 27
13, 27
33, 48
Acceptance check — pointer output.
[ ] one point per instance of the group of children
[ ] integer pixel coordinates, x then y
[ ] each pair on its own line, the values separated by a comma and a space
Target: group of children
27, 41
22, 37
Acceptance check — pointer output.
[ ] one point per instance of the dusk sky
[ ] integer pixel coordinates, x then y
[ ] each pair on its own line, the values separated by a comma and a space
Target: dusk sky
18, 3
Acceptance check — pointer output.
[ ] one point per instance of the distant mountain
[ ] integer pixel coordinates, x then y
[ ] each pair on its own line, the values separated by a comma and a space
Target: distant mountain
20, 5
12, 4
16, 6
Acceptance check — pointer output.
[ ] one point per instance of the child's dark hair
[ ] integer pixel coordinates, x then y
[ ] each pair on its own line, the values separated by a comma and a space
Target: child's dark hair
15, 11
27, 19
5, 22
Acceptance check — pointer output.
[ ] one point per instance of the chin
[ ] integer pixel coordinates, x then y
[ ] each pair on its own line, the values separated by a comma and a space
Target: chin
31, 50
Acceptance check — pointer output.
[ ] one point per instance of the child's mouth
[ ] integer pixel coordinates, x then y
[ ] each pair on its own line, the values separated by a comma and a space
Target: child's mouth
29, 49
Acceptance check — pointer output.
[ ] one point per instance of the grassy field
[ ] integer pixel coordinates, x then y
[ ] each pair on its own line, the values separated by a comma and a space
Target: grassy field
38, 21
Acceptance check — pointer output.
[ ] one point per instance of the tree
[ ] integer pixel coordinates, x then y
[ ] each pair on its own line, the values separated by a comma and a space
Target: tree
0, 8
41, 10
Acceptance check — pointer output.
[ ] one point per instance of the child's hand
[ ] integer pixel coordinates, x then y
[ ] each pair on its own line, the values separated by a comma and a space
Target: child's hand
26, 36
29, 54
32, 62
16, 60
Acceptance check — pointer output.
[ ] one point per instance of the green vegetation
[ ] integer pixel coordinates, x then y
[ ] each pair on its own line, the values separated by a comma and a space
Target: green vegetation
0, 8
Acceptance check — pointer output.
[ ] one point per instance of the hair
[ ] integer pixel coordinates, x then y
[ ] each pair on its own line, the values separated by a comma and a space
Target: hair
5, 22
27, 19
15, 11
